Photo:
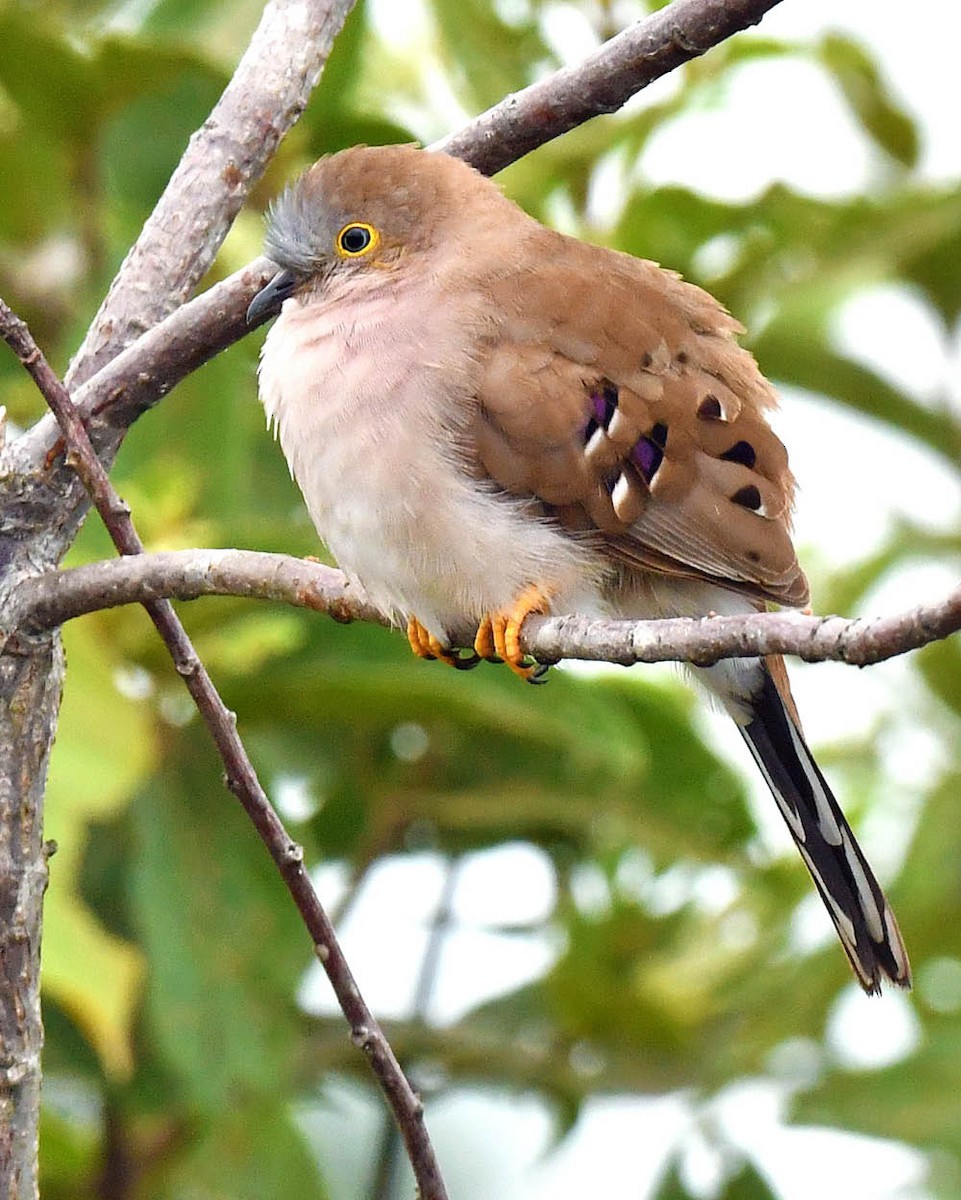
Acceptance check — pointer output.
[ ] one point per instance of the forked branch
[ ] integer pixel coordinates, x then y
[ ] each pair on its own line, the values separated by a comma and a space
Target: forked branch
241, 777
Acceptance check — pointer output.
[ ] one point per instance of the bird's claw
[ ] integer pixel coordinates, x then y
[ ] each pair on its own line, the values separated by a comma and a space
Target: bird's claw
499, 636
498, 640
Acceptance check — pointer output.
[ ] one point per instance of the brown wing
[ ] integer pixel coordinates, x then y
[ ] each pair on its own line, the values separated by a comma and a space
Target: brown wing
616, 394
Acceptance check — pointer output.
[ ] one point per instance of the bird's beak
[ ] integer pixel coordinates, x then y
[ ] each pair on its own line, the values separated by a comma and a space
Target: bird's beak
268, 301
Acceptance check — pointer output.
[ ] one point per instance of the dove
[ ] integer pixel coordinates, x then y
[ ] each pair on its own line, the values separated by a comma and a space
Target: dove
489, 419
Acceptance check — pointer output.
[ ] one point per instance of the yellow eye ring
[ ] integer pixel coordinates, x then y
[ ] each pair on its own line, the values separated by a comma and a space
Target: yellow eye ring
356, 240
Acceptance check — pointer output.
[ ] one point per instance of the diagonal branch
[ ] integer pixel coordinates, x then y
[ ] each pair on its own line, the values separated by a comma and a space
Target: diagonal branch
602, 83
142, 374
266, 94
240, 775
38, 491
48, 600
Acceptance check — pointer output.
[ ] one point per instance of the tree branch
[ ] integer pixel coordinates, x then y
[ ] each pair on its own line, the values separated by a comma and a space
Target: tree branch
602, 83
48, 600
241, 778
40, 498
266, 94
26, 728
43, 506
142, 374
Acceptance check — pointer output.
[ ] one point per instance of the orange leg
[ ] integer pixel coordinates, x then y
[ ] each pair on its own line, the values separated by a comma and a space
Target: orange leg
425, 645
499, 635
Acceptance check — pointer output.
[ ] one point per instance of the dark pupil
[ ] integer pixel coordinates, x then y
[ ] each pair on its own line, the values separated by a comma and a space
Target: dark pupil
355, 239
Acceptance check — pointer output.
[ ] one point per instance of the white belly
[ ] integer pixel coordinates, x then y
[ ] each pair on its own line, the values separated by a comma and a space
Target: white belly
369, 416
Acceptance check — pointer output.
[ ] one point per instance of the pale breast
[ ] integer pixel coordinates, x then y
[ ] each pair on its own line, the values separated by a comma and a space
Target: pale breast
371, 400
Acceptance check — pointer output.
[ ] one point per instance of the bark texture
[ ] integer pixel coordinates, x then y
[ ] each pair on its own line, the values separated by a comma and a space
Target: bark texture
31, 674
42, 503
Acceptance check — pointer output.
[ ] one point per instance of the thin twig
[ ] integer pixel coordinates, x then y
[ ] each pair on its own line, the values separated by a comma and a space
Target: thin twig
140, 376
240, 776
387, 1172
602, 83
48, 600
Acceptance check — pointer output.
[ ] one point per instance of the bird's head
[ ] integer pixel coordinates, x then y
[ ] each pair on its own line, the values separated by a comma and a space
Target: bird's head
365, 209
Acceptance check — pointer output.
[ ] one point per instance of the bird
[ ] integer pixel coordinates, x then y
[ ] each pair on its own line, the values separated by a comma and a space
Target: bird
490, 419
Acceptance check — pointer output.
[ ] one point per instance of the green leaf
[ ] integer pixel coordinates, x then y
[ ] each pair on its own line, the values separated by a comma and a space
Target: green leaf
671, 1185
792, 354
797, 257
908, 543
343, 68
66, 84
871, 102
748, 1184
34, 184
912, 1102
225, 943
142, 143
36, 52
940, 664
93, 974
501, 761
485, 56
252, 1151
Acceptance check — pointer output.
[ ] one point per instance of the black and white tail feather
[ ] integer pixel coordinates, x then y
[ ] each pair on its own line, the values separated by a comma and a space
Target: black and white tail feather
862, 916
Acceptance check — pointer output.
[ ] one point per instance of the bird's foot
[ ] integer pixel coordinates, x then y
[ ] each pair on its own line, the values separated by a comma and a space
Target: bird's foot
425, 645
499, 635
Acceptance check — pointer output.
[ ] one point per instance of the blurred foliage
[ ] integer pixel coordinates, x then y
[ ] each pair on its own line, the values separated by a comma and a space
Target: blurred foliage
178, 1061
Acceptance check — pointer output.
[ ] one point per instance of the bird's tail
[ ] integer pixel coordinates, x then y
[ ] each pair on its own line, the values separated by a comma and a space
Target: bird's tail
861, 914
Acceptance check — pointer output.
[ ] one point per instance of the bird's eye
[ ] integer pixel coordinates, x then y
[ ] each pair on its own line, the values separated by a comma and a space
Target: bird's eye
356, 239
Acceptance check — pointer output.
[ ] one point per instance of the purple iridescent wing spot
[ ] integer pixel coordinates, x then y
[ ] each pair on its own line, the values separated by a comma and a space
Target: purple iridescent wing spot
647, 458
648, 452
603, 407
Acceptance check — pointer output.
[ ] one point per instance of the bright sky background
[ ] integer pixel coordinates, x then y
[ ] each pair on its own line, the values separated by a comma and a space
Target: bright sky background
790, 125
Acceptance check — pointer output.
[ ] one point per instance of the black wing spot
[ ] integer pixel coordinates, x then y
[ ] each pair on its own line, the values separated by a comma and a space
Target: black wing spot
710, 408
741, 452
747, 497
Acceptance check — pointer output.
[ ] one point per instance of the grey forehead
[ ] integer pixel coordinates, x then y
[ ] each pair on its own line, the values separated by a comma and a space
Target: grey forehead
299, 233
